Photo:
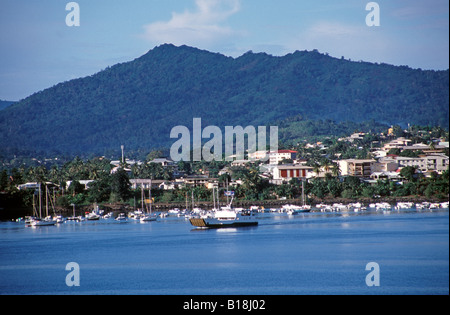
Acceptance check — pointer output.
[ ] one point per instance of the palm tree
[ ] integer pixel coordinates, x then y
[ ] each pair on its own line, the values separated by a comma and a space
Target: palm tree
326, 165
335, 169
432, 145
316, 169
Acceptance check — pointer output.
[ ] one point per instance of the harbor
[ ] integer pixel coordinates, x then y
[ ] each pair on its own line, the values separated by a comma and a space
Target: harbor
309, 253
210, 211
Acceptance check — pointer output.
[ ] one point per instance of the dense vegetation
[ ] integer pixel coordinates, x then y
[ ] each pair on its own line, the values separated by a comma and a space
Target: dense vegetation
113, 188
139, 102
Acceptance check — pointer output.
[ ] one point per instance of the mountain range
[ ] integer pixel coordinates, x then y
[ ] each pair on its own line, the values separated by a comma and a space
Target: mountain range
5, 104
137, 103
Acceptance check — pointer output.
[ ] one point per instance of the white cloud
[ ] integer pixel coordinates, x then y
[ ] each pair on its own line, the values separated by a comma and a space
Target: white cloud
358, 42
201, 28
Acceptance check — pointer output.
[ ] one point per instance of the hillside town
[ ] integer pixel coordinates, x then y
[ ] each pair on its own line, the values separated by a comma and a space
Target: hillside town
360, 165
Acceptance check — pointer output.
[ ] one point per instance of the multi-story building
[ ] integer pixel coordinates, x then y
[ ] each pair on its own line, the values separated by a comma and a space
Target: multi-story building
385, 164
355, 167
397, 144
430, 163
280, 155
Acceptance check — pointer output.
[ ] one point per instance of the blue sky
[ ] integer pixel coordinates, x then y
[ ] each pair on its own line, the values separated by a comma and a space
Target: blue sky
38, 49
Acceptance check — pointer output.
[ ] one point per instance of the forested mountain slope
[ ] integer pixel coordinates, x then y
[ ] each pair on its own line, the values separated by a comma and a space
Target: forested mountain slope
137, 103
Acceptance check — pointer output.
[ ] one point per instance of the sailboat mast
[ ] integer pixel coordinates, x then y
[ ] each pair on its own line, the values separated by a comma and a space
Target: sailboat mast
218, 200
40, 201
303, 192
46, 200
227, 191
34, 204
214, 197
142, 197
150, 196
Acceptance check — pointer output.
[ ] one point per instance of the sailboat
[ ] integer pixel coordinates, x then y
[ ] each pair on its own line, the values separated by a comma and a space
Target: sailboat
73, 218
149, 216
294, 209
48, 220
94, 215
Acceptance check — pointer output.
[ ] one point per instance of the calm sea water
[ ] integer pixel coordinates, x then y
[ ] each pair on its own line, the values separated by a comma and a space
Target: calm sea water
313, 253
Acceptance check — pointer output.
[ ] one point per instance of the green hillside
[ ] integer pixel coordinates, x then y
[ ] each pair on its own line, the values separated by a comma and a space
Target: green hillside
139, 102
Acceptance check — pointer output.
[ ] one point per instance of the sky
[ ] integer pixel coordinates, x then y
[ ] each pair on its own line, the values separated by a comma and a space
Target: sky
38, 49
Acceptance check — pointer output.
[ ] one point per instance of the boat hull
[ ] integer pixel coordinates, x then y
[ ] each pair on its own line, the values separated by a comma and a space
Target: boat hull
215, 224
301, 211
148, 219
43, 223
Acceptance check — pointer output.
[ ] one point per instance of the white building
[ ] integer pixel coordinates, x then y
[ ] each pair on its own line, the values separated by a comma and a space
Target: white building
284, 173
280, 155
258, 155
430, 163
397, 144
353, 167
385, 164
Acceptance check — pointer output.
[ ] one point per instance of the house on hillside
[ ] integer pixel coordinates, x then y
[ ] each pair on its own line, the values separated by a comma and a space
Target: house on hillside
280, 155
362, 168
429, 163
284, 173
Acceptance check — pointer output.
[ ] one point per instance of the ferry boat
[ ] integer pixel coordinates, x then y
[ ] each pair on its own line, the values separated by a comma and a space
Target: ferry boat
226, 217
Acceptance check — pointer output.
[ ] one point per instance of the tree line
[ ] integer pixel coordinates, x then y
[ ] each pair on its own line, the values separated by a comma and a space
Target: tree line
115, 187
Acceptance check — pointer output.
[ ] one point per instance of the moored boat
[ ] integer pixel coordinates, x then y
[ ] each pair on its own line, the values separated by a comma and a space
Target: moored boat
294, 209
121, 218
43, 222
226, 217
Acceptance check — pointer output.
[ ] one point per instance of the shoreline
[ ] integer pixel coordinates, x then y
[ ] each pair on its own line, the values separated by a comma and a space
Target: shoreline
11, 214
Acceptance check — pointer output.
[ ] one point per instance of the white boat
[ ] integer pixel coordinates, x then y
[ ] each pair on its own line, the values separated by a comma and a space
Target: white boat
174, 212
148, 216
122, 217
135, 215
435, 205
339, 207
59, 219
294, 209
43, 222
108, 216
38, 221
383, 206
95, 215
91, 216
404, 205
226, 217
72, 219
